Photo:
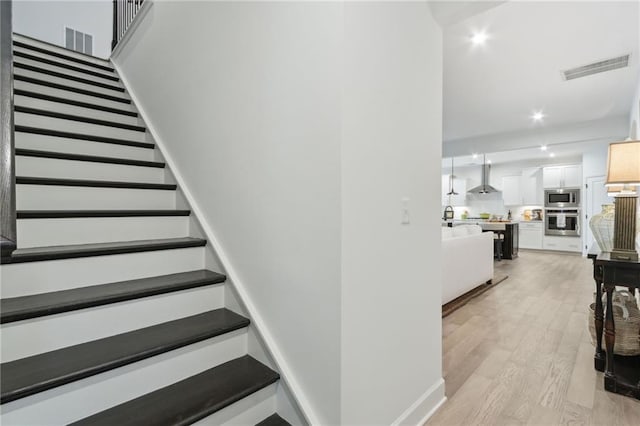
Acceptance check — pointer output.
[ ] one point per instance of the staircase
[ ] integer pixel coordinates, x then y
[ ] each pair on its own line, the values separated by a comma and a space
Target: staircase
110, 315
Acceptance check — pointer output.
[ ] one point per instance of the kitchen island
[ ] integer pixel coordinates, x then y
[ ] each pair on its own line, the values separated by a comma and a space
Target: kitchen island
508, 230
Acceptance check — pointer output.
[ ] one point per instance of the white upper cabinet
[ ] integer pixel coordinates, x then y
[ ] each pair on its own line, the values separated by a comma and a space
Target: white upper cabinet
511, 190
531, 186
552, 177
572, 176
563, 176
523, 190
460, 186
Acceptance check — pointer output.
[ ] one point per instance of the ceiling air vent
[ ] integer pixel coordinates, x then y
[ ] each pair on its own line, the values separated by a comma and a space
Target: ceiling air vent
596, 67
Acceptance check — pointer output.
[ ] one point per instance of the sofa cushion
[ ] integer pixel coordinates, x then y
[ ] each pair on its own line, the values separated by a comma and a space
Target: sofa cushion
447, 232
474, 229
460, 231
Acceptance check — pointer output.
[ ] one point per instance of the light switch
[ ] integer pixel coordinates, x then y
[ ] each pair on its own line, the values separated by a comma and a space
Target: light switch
405, 211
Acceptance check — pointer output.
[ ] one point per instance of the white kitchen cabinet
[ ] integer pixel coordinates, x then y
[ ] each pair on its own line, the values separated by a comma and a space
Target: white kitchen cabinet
572, 176
511, 192
531, 234
531, 186
552, 177
523, 190
460, 186
552, 242
562, 176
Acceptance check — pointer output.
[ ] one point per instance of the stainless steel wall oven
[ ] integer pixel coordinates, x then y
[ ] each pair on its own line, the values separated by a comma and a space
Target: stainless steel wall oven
563, 222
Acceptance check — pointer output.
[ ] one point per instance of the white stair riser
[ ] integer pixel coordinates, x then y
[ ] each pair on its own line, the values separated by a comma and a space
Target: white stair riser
54, 232
61, 60
49, 197
83, 398
21, 279
71, 83
59, 49
71, 328
72, 169
38, 88
250, 410
30, 102
66, 71
79, 146
52, 123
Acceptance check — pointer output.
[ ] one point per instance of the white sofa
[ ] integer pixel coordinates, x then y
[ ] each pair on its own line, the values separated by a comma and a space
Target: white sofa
467, 260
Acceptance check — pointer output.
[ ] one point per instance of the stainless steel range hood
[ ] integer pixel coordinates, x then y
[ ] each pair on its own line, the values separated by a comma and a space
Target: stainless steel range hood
484, 187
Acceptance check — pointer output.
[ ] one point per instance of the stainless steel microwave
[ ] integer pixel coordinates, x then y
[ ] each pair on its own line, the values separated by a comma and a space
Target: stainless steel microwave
562, 198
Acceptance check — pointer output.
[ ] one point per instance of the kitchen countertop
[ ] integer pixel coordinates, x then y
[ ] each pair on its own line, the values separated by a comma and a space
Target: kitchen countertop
479, 221
485, 224
495, 226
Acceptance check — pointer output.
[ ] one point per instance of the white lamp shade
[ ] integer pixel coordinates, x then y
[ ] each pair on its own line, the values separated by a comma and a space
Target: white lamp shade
623, 167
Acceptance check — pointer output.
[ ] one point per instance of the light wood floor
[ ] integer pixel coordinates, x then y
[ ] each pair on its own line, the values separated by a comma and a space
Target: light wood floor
521, 354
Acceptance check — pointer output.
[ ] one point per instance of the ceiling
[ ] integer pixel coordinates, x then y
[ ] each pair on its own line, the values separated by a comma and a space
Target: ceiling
561, 153
495, 88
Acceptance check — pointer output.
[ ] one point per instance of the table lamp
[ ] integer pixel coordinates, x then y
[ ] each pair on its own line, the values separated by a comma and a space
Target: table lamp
623, 169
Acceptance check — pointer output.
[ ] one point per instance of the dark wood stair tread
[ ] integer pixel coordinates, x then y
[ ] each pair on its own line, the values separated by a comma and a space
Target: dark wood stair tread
71, 117
51, 98
64, 214
38, 305
29, 180
25, 55
274, 420
61, 55
87, 81
27, 376
191, 399
89, 158
68, 88
81, 136
38, 254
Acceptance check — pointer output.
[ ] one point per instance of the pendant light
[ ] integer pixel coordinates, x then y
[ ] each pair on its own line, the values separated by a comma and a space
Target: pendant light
451, 190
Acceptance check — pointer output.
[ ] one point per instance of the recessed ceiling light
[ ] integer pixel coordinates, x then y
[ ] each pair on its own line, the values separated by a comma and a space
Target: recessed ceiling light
475, 156
543, 148
488, 161
537, 116
551, 154
479, 38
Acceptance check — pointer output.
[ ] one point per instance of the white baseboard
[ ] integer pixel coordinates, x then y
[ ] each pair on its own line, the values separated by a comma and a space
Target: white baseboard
233, 278
421, 410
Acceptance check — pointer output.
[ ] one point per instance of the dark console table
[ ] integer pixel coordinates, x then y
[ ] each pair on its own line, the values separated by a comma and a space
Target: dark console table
621, 373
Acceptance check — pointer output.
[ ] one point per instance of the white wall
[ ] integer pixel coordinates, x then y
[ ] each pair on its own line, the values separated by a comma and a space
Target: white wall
391, 283
634, 114
594, 160
45, 20
247, 104
298, 127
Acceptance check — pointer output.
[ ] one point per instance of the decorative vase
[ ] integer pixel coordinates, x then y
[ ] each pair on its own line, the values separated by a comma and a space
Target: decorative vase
601, 225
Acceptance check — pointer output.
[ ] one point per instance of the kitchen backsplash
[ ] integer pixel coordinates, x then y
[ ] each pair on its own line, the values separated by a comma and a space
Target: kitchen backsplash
492, 206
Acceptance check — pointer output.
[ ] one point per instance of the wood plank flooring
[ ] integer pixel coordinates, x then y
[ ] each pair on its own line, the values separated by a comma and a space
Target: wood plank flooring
520, 353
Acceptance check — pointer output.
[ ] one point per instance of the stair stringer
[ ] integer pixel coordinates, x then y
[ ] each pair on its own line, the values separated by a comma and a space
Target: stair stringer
292, 402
